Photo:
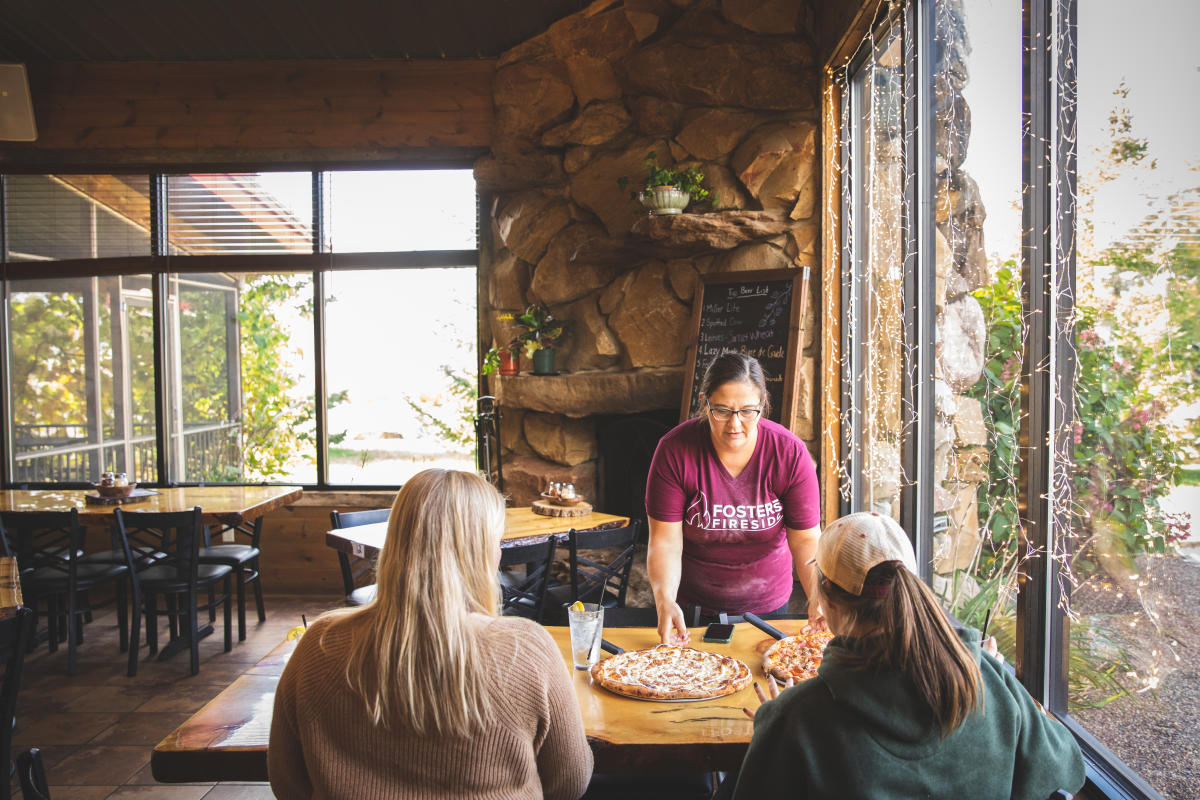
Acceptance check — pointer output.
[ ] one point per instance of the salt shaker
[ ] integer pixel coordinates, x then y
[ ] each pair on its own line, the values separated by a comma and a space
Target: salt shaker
567, 491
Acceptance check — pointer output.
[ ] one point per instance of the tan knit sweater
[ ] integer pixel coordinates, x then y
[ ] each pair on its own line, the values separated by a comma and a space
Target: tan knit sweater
323, 745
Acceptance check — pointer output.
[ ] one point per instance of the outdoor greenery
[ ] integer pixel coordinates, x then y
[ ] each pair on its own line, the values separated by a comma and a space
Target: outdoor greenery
277, 423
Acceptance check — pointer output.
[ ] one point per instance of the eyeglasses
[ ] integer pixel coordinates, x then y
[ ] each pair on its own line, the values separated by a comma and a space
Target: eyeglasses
726, 414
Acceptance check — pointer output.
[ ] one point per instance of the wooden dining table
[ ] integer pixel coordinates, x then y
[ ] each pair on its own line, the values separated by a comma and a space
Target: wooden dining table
222, 506
227, 739
521, 526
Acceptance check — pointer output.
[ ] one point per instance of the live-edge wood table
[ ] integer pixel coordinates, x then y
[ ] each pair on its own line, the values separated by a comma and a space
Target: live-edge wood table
224, 506
227, 739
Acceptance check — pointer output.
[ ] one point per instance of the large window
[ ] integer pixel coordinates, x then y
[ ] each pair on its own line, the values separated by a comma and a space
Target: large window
874, 297
1036, 271
1135, 505
167, 326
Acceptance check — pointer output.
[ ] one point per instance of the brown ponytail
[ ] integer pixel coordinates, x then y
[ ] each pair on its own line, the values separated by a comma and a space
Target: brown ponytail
907, 630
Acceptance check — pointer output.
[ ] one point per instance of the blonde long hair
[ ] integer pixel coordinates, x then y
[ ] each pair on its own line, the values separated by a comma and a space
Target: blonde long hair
906, 630
416, 652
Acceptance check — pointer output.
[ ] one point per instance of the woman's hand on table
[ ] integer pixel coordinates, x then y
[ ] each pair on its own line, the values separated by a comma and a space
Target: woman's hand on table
671, 627
773, 687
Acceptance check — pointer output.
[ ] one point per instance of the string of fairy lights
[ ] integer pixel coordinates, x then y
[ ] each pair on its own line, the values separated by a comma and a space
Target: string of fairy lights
868, 97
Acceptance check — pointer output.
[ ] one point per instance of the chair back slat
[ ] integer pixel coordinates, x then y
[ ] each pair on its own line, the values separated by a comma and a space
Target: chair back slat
531, 591
352, 519
14, 636
44, 540
353, 567
600, 582
162, 537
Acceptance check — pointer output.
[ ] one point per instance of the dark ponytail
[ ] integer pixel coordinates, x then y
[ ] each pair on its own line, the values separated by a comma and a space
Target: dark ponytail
908, 631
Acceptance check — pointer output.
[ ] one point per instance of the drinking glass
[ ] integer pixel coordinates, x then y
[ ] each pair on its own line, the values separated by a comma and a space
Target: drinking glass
587, 628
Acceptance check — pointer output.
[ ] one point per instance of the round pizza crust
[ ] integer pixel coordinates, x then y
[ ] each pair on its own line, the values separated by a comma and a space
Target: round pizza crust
667, 672
796, 657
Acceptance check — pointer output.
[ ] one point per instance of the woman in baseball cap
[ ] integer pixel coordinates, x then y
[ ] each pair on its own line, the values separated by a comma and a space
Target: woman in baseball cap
904, 704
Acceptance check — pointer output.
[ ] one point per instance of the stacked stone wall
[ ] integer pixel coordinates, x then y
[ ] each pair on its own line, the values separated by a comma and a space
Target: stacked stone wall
730, 85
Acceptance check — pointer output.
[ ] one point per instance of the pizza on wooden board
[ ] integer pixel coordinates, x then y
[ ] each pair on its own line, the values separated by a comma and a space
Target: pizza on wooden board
667, 672
796, 657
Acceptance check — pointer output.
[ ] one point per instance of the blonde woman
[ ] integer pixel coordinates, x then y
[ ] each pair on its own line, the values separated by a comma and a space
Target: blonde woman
426, 692
904, 704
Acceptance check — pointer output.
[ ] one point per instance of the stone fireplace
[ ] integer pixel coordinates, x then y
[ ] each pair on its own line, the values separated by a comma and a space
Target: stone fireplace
730, 85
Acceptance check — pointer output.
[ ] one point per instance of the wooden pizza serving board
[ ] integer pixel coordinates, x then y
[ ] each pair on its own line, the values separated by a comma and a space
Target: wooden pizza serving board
548, 509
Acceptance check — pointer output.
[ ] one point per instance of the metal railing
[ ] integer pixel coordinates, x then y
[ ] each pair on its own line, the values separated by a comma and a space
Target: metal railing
63, 453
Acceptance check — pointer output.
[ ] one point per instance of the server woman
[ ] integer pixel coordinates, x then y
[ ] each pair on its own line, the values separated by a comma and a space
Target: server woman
733, 505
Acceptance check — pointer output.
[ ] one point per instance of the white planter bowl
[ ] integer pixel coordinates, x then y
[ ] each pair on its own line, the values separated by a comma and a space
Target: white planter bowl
665, 200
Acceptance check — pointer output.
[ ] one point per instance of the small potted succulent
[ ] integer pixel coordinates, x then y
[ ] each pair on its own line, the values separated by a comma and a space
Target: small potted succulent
668, 190
541, 330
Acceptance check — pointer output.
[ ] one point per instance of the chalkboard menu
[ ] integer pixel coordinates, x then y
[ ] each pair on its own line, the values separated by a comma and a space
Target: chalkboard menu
756, 313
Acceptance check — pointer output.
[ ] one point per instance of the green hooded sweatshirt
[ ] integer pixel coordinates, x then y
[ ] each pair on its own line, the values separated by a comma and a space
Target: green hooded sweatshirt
860, 734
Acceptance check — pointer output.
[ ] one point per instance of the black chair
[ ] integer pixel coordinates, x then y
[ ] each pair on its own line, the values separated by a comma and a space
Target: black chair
14, 633
243, 558
352, 567
32, 775
49, 548
178, 577
526, 595
592, 581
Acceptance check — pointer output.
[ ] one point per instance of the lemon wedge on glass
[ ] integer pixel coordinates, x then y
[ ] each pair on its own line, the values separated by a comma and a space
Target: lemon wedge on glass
295, 633
577, 605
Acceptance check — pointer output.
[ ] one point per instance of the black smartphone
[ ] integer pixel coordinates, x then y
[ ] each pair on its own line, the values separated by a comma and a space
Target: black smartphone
719, 633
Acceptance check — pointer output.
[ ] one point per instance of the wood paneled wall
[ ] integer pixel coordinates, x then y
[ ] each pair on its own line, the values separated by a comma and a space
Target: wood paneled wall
295, 558
91, 114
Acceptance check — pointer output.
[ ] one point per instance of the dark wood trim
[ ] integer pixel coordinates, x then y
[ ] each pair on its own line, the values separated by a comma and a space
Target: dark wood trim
283, 262
869, 14
1063, 344
1035, 471
5, 357
916, 454
320, 384
272, 160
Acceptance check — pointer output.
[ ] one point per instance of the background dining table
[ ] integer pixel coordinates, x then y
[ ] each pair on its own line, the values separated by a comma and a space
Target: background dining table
222, 506
227, 739
521, 526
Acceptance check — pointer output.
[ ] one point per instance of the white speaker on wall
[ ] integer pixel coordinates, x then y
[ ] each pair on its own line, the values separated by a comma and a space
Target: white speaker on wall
16, 108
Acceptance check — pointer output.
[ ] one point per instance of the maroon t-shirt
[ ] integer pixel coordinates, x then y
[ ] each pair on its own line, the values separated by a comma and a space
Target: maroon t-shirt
735, 553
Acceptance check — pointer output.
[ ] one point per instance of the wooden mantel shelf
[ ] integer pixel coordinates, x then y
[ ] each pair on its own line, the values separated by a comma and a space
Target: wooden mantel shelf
682, 235
583, 394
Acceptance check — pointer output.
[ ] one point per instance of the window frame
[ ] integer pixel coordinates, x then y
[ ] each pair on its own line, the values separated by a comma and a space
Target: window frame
160, 264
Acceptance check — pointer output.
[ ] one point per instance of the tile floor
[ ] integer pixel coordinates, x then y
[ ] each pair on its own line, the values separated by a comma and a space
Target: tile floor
96, 730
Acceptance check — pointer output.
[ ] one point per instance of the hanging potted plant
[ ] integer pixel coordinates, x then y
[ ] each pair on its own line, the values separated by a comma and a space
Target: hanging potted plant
541, 330
668, 190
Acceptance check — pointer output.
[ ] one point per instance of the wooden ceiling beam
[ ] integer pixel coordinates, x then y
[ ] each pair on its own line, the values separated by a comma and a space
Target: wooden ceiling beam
237, 112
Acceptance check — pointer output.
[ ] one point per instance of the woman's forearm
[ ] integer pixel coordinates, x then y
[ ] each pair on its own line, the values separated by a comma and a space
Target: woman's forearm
664, 557
803, 545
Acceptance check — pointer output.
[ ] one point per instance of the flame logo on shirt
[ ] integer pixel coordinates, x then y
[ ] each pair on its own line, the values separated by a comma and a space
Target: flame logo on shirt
697, 514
